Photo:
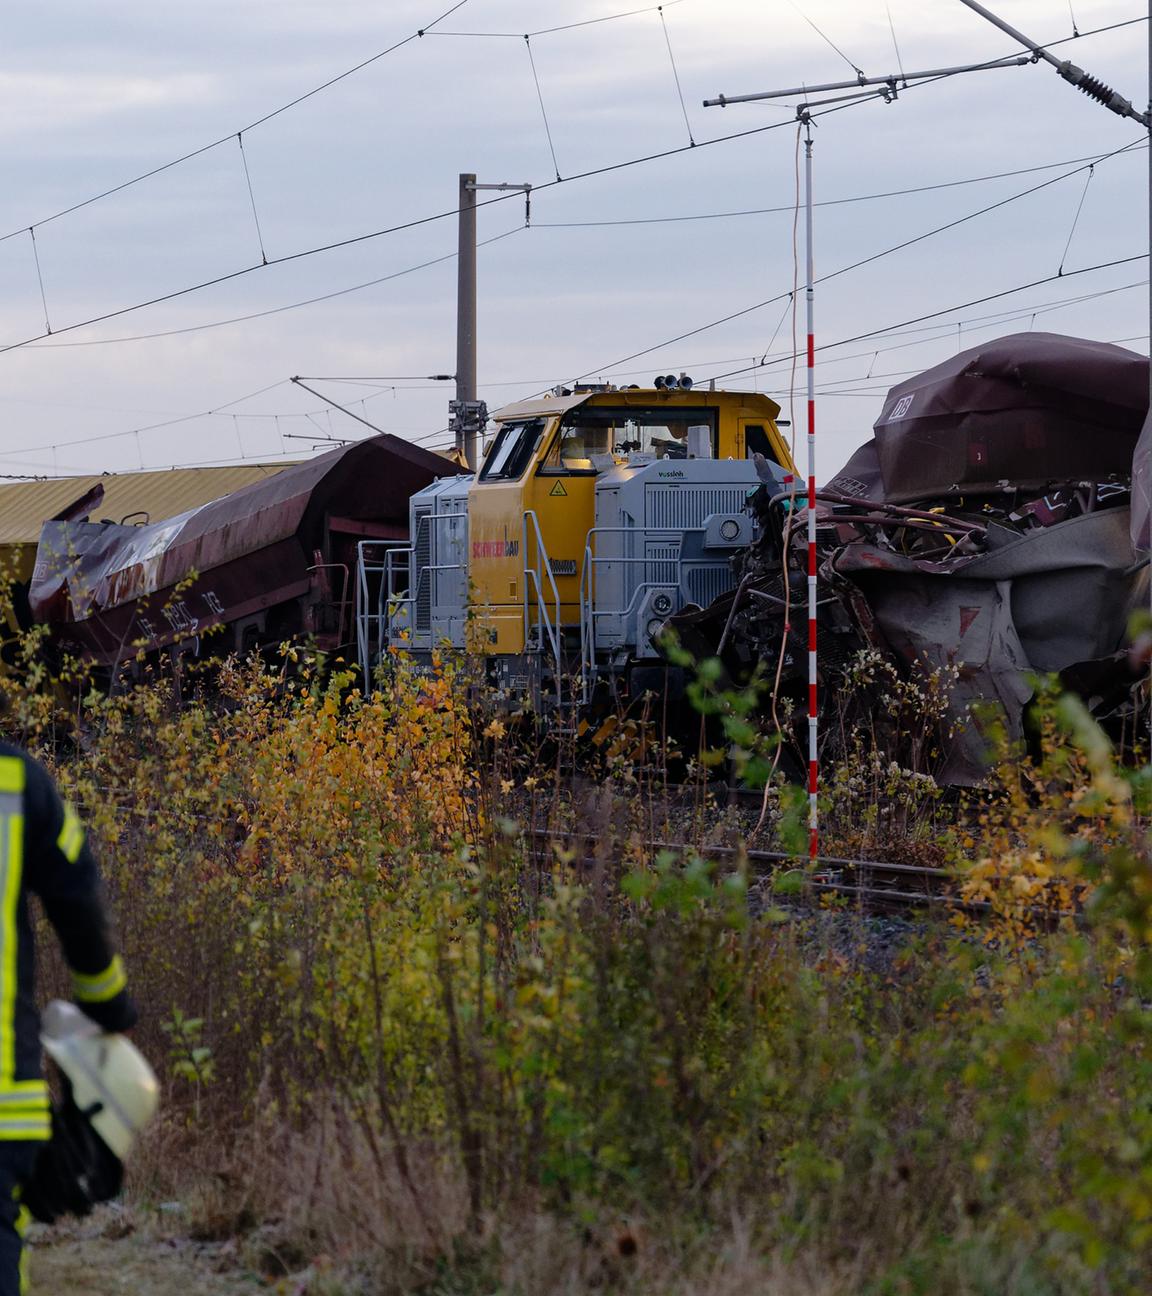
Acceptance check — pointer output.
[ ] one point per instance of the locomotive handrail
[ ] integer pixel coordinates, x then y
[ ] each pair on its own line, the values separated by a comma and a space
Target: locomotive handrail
388, 593
552, 628
364, 615
590, 614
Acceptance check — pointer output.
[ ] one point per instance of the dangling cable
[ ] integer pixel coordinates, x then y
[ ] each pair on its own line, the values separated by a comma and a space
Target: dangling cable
543, 110
676, 75
793, 302
40, 278
1072, 15
251, 197
1076, 218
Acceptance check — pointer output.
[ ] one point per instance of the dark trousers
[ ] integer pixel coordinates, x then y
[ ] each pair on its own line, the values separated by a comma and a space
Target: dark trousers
16, 1161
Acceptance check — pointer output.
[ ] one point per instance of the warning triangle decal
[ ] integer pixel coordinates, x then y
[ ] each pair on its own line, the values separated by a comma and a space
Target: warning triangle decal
558, 489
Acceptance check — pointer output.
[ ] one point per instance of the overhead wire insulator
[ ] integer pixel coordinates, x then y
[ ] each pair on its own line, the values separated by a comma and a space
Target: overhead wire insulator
1094, 88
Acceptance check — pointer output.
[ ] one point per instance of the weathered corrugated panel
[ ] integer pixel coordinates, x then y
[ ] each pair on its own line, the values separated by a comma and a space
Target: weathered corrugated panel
26, 506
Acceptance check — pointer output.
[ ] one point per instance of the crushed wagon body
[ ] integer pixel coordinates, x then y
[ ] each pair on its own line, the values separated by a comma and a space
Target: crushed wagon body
271, 561
984, 530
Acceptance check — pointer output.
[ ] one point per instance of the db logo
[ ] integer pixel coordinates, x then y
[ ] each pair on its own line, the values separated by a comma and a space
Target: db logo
902, 406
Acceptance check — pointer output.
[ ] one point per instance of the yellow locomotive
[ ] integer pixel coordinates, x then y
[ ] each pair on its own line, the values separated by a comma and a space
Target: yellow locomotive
595, 514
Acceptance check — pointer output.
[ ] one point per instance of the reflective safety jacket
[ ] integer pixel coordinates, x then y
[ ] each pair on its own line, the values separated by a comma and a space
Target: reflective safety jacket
43, 852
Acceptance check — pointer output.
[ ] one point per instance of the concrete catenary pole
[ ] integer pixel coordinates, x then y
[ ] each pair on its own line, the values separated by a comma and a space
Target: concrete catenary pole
466, 433
469, 414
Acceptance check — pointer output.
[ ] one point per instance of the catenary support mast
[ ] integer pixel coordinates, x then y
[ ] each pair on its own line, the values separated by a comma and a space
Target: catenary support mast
813, 676
466, 319
469, 414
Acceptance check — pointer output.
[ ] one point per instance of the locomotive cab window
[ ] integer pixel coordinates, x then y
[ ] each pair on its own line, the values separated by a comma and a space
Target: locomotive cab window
756, 442
512, 451
593, 438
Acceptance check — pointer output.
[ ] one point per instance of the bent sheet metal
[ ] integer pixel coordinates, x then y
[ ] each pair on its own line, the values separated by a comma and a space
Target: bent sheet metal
985, 529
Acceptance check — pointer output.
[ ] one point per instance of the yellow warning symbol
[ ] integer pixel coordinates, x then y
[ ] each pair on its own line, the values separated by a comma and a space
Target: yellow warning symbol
558, 489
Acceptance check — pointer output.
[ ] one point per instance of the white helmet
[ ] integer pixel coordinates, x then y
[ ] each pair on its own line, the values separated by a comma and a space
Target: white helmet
112, 1083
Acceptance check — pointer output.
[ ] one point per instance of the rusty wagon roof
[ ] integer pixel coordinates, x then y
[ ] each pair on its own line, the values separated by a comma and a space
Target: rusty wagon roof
26, 506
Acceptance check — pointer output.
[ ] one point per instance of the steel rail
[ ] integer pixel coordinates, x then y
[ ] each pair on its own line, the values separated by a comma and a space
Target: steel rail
873, 897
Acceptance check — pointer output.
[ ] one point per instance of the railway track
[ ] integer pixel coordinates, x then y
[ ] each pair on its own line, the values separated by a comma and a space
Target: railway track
872, 886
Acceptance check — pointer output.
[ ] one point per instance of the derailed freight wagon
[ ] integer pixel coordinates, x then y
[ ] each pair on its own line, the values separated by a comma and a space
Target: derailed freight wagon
983, 531
272, 561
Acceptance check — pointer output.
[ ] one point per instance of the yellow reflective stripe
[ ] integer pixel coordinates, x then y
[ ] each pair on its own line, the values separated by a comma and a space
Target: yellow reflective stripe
71, 838
11, 774
34, 1100
24, 1120
11, 863
101, 986
33, 1097
23, 1089
28, 1132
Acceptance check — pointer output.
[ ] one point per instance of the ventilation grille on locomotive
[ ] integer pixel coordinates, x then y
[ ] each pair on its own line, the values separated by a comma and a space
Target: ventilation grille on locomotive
420, 578
684, 508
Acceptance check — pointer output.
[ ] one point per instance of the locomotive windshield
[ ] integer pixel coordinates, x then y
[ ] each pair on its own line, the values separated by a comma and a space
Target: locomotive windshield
512, 451
592, 437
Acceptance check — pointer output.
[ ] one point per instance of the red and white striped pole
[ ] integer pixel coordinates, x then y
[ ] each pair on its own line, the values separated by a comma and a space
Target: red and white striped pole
813, 691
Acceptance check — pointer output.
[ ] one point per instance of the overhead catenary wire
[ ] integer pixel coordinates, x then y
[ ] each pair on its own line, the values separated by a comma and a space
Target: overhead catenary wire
826, 39
540, 100
895, 42
371, 283
1076, 217
220, 409
252, 198
855, 265
829, 202
40, 277
356, 239
251, 126
648, 158
949, 310
606, 169
549, 31
675, 74
274, 310
343, 410
995, 319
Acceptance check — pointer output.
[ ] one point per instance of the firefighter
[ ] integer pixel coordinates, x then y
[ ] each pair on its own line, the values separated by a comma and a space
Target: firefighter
43, 852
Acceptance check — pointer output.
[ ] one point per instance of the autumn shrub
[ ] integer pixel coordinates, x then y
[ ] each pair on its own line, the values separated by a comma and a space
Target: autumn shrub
459, 1064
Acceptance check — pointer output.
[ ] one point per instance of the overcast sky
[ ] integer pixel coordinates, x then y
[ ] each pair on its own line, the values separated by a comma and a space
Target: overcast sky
93, 95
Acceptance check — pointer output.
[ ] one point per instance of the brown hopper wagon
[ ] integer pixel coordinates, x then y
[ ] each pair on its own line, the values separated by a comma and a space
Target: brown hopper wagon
271, 561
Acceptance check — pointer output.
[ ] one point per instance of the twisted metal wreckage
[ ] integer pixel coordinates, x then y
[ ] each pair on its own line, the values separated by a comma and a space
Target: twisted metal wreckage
985, 529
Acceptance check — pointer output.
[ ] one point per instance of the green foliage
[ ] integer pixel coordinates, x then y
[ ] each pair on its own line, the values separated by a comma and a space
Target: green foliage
339, 898
188, 1059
